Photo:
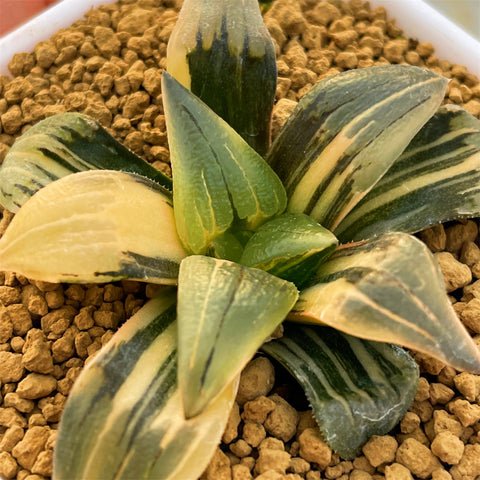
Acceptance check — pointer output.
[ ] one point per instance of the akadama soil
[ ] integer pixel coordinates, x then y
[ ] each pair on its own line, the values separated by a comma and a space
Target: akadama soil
108, 66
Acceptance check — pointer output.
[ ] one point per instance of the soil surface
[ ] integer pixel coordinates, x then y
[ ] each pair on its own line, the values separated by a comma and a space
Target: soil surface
109, 66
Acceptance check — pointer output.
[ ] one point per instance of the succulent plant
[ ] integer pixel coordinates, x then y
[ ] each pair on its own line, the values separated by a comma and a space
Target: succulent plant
367, 157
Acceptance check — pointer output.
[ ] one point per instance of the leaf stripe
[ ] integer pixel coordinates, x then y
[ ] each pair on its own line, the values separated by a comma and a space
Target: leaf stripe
127, 355
435, 180
60, 145
388, 289
355, 144
373, 384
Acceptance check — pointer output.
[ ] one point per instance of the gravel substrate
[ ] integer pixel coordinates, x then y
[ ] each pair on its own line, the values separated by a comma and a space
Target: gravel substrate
108, 66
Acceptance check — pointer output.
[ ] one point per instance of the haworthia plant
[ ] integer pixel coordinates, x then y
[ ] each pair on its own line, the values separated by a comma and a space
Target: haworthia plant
440, 167
107, 221
357, 388
215, 299
61, 145
222, 51
388, 289
351, 128
229, 203
125, 410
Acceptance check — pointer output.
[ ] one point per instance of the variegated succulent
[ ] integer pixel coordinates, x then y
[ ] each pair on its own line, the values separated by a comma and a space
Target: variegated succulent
367, 157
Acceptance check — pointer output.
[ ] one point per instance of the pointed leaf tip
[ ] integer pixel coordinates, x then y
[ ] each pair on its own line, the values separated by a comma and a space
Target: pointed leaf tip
356, 388
389, 289
95, 226
124, 416
225, 312
346, 132
220, 183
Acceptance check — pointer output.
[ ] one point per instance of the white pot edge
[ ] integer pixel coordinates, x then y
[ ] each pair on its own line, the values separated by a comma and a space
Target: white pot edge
417, 19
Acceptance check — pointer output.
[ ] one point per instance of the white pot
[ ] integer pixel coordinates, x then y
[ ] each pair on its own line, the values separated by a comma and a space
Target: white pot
417, 19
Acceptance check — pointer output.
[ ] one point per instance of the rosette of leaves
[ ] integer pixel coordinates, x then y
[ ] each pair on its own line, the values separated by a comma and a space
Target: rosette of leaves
243, 243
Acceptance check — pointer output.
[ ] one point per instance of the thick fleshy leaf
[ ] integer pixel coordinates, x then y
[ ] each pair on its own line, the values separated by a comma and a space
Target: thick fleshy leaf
357, 388
346, 132
225, 312
291, 246
389, 289
220, 182
124, 416
95, 226
60, 145
222, 51
436, 179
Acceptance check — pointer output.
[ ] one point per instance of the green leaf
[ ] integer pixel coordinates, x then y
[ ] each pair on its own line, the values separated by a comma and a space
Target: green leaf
225, 312
356, 388
223, 53
60, 145
389, 289
436, 179
346, 132
291, 246
124, 416
220, 182
95, 226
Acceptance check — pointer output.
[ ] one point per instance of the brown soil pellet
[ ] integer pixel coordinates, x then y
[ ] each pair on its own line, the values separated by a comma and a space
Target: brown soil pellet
108, 65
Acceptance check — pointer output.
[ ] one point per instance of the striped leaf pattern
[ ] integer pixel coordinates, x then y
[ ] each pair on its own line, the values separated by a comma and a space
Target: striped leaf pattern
95, 226
389, 289
221, 184
356, 388
346, 132
436, 179
60, 145
124, 416
291, 246
222, 51
225, 312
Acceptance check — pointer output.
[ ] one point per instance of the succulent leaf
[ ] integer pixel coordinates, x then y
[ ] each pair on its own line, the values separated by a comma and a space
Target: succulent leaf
220, 183
60, 145
346, 132
436, 179
357, 388
291, 246
222, 51
225, 312
95, 226
124, 416
389, 289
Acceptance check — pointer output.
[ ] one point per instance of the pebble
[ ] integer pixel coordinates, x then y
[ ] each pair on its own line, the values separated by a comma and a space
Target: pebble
36, 385
455, 273
282, 421
256, 379
313, 448
448, 447
272, 459
417, 458
380, 449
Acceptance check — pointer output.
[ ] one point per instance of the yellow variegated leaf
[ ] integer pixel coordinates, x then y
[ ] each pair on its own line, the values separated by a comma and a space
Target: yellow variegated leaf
124, 417
58, 146
389, 289
436, 179
225, 312
222, 52
95, 226
346, 132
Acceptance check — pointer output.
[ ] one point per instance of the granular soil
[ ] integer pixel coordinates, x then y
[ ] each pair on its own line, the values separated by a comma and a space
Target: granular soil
109, 66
